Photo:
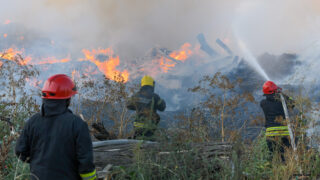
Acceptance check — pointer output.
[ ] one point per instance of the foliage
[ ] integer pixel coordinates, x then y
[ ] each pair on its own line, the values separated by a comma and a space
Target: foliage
222, 101
107, 99
176, 161
16, 106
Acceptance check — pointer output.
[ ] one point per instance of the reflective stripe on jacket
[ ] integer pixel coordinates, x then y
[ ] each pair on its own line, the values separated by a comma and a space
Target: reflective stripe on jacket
89, 176
277, 131
138, 124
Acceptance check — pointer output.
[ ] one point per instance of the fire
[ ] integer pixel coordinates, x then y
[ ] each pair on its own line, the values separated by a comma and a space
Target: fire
181, 55
52, 60
166, 64
12, 53
26, 60
108, 67
184, 53
5, 35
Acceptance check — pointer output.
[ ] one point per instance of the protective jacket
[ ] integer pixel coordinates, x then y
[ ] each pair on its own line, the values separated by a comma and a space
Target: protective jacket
57, 144
274, 113
146, 103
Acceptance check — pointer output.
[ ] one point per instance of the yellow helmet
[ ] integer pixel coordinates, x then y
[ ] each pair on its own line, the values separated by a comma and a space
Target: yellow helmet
147, 81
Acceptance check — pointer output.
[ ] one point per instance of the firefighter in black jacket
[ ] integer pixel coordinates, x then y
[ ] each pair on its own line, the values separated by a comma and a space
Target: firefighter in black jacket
55, 142
146, 103
275, 123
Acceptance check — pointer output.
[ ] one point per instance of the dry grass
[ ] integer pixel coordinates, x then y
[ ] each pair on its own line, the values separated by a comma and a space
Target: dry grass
214, 119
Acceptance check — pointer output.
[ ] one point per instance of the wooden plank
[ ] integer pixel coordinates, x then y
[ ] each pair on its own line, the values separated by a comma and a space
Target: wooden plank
121, 152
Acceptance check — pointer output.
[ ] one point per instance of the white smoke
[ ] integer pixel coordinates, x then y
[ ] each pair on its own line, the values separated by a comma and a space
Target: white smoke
134, 26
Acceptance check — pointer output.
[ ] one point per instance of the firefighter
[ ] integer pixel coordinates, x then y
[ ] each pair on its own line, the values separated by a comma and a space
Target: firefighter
146, 103
275, 123
56, 142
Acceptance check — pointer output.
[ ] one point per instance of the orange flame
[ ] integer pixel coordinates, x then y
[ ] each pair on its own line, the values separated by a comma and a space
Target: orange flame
166, 64
183, 54
52, 60
107, 67
5, 35
13, 54
10, 54
26, 60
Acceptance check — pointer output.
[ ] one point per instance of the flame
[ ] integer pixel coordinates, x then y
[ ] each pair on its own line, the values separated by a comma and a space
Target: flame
8, 21
184, 53
166, 64
181, 55
108, 67
10, 54
26, 60
5, 35
52, 60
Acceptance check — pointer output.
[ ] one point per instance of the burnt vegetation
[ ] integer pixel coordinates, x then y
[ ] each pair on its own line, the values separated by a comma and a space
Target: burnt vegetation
202, 142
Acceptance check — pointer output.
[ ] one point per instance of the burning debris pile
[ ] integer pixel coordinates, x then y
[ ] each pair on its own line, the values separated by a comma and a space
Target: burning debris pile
175, 71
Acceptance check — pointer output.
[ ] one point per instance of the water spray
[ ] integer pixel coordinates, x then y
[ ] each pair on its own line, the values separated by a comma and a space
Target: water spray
252, 60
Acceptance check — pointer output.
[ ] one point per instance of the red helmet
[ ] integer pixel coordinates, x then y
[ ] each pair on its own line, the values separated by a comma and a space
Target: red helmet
270, 87
59, 86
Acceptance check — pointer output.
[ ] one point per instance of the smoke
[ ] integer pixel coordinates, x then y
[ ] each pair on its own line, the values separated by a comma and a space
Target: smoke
134, 26
131, 27
278, 26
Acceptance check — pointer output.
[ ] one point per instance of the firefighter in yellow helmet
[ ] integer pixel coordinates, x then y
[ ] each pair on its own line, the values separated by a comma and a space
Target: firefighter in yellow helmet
146, 103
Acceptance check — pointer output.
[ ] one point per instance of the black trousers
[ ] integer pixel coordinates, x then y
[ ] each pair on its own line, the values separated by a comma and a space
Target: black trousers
278, 144
144, 134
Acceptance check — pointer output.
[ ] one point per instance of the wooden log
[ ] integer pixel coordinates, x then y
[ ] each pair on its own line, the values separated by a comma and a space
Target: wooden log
224, 46
205, 46
121, 152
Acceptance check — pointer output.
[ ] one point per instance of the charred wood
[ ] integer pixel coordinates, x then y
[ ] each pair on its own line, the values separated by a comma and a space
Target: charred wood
224, 46
205, 46
100, 132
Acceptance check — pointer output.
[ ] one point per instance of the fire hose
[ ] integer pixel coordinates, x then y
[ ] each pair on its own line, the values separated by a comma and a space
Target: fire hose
286, 113
290, 129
